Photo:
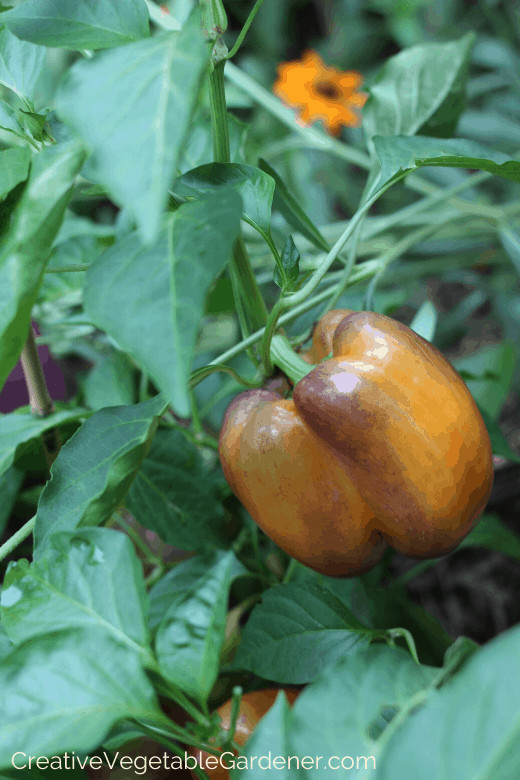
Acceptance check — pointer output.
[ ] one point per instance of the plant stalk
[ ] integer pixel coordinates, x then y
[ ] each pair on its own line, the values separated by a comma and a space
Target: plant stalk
40, 400
244, 281
17, 538
283, 355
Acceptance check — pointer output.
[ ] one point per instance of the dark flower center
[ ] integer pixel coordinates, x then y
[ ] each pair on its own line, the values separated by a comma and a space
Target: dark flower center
328, 90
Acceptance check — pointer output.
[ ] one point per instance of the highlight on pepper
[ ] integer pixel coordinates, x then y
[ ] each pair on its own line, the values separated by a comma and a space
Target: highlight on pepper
320, 92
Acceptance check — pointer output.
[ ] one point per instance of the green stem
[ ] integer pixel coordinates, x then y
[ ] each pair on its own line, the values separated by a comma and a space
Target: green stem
249, 301
292, 299
245, 28
163, 739
172, 692
41, 402
219, 119
241, 266
134, 536
235, 709
347, 271
20, 536
283, 355
291, 568
269, 331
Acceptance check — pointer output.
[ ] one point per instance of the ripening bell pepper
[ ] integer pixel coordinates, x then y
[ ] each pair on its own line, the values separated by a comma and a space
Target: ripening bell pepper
381, 444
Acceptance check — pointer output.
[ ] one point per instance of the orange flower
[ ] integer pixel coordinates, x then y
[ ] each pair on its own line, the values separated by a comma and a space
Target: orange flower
320, 92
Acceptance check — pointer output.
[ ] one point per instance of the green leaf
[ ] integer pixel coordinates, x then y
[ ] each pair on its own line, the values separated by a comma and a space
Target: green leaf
400, 155
14, 168
136, 124
33, 122
420, 89
5, 643
456, 656
356, 698
175, 495
9, 121
150, 299
191, 635
35, 221
290, 264
182, 579
425, 321
94, 469
79, 25
10, 484
20, 64
110, 383
494, 535
16, 429
469, 728
497, 361
352, 592
254, 186
88, 577
68, 286
341, 713
287, 205
64, 691
297, 631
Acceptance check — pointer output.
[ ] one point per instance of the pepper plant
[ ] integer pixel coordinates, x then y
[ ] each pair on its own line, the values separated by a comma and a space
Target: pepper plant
151, 226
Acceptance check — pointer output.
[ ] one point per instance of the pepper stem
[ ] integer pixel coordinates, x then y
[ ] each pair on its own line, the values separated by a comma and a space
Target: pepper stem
283, 356
244, 280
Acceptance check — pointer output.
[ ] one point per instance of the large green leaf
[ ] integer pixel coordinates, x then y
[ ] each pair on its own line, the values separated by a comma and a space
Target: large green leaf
111, 382
9, 122
16, 429
400, 155
132, 105
341, 714
95, 468
64, 691
182, 579
255, 187
79, 25
5, 643
150, 298
419, 89
88, 577
296, 632
20, 64
68, 286
35, 222
190, 637
469, 729
175, 495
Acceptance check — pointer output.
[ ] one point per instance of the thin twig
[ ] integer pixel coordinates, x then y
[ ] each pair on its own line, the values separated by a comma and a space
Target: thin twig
41, 402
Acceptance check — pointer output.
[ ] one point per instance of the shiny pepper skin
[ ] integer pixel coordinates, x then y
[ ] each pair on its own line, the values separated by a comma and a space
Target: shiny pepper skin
381, 444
